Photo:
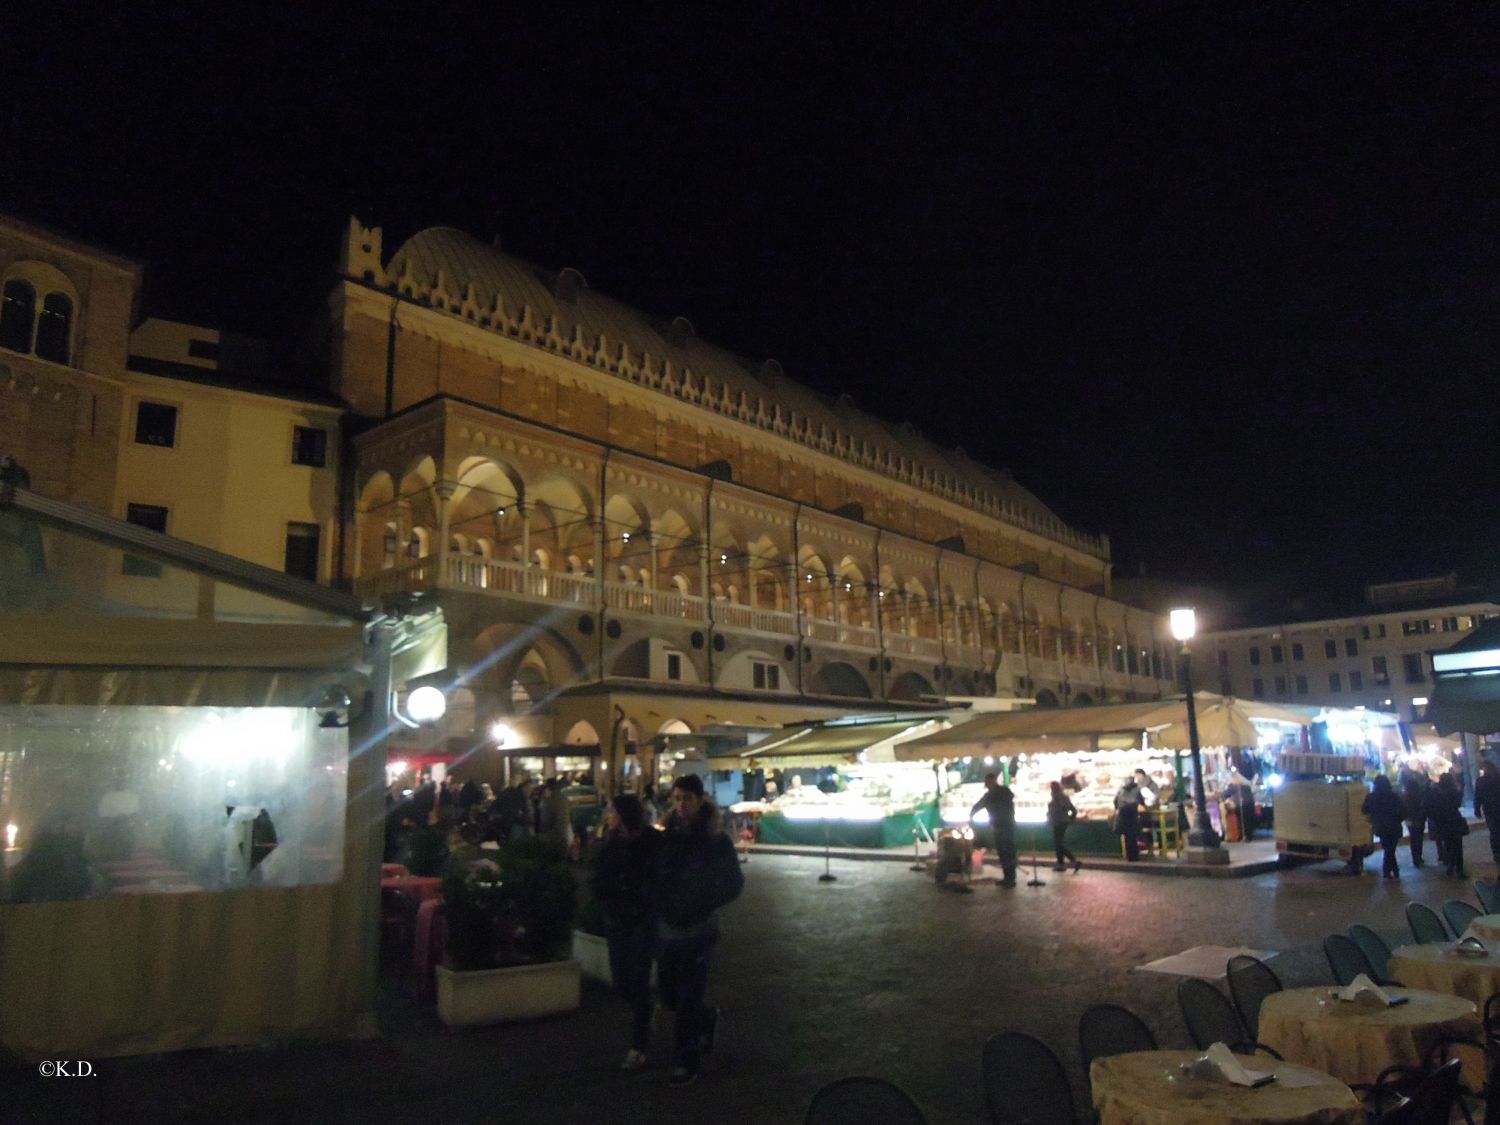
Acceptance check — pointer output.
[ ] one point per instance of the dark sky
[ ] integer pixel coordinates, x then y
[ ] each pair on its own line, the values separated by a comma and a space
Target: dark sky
1218, 279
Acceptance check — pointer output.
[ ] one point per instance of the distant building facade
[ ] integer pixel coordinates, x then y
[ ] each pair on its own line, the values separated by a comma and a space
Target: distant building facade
605, 501
136, 419
1379, 658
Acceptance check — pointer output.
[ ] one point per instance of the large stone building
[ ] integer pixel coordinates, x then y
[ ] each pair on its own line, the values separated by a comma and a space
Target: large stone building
633, 531
1377, 656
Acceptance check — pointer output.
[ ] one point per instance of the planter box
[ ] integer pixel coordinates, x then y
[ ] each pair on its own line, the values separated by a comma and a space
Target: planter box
592, 953
482, 996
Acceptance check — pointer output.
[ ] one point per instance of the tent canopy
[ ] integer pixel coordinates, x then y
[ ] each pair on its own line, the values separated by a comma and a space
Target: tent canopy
814, 745
1222, 720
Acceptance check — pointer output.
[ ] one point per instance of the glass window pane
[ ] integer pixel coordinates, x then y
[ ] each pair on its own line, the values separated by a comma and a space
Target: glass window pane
163, 800
54, 328
17, 315
155, 424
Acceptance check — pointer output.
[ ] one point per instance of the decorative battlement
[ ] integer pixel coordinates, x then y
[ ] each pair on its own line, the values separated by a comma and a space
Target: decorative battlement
362, 254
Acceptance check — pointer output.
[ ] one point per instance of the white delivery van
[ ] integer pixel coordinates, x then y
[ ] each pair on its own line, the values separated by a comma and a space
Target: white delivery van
1318, 807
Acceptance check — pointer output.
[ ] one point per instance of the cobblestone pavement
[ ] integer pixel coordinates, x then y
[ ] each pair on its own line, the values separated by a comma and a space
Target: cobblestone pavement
878, 973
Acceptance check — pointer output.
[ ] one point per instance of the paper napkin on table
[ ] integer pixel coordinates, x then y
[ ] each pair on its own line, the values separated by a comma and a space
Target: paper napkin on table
1232, 1069
1470, 944
1362, 989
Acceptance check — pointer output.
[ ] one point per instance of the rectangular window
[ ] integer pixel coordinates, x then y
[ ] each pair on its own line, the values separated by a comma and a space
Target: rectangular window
302, 551
1450, 624
1301, 685
1351, 647
1411, 667
1379, 670
1364, 632
1380, 630
155, 424
1297, 650
1258, 688
1132, 661
1276, 654
309, 446
674, 665
149, 516
1356, 681
1416, 628
766, 677
1331, 649
203, 349
1280, 685
1335, 682
1223, 658
1254, 654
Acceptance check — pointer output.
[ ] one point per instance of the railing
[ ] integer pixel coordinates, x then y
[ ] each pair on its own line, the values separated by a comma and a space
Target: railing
659, 603
914, 646
737, 616
967, 655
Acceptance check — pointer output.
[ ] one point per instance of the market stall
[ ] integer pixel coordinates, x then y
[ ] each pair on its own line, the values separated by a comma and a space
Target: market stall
867, 798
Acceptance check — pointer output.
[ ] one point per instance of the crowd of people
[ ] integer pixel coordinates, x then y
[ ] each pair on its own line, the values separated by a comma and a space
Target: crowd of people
1423, 807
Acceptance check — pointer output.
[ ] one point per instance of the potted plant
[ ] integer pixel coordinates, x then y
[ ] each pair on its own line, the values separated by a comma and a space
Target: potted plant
509, 924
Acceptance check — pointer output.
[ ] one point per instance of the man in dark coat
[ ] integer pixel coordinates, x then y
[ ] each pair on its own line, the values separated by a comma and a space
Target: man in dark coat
696, 872
1414, 807
1487, 803
1385, 810
1000, 804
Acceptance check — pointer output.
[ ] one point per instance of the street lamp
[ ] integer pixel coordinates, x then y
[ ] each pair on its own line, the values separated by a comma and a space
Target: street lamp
1204, 844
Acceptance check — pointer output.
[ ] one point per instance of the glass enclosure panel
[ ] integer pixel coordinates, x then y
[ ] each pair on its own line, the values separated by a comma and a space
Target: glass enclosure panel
157, 800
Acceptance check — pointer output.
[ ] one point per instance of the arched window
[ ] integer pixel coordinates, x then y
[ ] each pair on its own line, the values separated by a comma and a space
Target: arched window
54, 328
17, 315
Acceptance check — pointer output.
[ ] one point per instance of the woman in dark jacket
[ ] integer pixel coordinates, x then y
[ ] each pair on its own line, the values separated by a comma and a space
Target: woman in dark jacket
621, 883
1060, 814
1448, 824
1385, 811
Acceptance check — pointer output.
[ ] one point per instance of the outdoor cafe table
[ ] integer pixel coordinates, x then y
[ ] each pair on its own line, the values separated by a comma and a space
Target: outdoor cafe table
1437, 968
1354, 1042
1148, 1088
1486, 928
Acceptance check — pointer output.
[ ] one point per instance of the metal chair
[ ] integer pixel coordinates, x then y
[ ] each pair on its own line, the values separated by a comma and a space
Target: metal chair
1423, 1097
863, 1101
1346, 959
1025, 1083
1250, 982
1426, 926
1488, 895
1209, 1015
1373, 946
1459, 914
1108, 1029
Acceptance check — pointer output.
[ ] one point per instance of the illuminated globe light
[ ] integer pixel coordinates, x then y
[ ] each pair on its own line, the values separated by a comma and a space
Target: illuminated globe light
1184, 624
500, 733
1274, 781
11, 832
426, 704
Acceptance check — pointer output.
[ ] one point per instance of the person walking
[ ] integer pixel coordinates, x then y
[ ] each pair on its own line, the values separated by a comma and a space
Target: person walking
695, 873
1128, 817
1487, 804
1385, 810
1060, 814
1448, 823
1413, 800
1000, 804
621, 884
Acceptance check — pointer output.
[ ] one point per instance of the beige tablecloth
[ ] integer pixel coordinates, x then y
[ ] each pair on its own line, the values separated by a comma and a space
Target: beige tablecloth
1437, 968
1354, 1042
1147, 1088
1486, 928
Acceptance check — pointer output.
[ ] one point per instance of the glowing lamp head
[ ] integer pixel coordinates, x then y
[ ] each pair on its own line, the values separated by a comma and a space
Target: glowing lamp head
500, 733
426, 704
11, 832
1184, 624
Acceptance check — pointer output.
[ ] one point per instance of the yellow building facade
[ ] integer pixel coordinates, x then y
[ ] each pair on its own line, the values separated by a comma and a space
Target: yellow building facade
628, 525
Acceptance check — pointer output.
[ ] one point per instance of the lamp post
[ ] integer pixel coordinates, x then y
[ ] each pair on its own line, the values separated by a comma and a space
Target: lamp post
1204, 845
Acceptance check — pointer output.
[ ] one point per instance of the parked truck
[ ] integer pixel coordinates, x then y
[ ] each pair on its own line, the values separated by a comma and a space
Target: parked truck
1318, 808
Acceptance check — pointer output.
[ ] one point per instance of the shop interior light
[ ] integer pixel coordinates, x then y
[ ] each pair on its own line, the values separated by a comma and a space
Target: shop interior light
11, 832
1419, 701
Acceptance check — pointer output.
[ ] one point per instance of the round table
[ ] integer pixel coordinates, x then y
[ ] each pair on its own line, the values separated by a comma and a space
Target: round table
1148, 1088
1354, 1042
1437, 968
1486, 928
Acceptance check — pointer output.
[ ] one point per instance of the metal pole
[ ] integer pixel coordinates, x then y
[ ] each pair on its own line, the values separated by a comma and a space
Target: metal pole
1203, 834
827, 876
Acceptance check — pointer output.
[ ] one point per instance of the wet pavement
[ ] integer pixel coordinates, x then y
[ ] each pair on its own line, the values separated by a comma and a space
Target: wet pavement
880, 972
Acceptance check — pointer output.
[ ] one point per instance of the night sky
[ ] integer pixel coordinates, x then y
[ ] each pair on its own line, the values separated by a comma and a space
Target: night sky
1219, 280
